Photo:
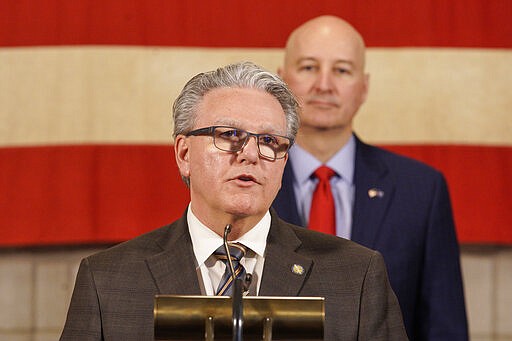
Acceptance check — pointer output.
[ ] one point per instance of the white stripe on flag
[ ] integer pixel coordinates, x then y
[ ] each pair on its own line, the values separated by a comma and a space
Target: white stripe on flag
62, 95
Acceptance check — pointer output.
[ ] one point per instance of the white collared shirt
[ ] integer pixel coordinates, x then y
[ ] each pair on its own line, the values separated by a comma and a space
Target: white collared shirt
210, 270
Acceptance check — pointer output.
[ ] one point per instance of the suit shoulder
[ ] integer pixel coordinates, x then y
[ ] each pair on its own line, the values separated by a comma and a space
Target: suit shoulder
134, 249
398, 164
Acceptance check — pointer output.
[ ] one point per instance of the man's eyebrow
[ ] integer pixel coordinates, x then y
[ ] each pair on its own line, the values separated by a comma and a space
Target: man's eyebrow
344, 61
313, 59
227, 122
306, 59
265, 128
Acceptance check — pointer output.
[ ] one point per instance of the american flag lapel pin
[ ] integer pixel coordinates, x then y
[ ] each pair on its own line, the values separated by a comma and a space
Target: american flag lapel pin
375, 193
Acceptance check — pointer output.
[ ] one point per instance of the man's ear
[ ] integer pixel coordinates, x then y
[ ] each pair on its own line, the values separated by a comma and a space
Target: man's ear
181, 153
366, 86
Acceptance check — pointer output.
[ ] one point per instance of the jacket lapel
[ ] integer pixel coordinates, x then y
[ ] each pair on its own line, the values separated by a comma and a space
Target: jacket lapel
173, 269
285, 270
374, 192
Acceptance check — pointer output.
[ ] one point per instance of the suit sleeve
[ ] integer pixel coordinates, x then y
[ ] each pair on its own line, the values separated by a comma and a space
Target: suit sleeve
442, 295
380, 315
83, 321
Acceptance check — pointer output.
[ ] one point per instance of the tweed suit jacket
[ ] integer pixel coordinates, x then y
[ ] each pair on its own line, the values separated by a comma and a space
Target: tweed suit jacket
409, 221
114, 289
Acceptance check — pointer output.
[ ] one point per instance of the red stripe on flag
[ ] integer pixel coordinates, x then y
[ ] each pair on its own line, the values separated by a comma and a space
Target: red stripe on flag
459, 23
86, 194
89, 194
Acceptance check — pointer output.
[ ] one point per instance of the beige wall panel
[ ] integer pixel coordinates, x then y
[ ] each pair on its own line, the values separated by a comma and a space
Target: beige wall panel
478, 274
16, 285
18, 336
59, 95
50, 287
504, 293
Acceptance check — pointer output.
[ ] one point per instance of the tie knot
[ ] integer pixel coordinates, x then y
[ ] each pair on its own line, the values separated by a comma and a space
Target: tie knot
236, 250
324, 173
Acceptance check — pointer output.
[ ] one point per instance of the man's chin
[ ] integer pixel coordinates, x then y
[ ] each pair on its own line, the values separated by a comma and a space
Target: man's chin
245, 208
320, 125
241, 212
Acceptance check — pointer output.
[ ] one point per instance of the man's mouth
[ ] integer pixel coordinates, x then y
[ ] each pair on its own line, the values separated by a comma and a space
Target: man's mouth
320, 103
246, 178
323, 101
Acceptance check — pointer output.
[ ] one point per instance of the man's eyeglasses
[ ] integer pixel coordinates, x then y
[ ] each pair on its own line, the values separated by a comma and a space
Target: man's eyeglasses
232, 140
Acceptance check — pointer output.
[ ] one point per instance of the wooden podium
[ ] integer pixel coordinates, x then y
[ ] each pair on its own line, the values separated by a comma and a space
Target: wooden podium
261, 318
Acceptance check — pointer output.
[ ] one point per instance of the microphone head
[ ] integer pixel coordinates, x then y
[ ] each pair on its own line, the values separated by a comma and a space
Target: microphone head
247, 281
227, 229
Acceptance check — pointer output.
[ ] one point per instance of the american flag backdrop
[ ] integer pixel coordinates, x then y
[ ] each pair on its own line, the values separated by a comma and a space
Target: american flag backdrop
86, 89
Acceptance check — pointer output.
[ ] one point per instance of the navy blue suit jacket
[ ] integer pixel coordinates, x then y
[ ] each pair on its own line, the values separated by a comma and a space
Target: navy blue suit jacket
411, 224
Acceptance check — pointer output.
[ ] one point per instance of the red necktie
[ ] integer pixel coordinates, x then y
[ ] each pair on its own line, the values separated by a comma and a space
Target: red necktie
322, 216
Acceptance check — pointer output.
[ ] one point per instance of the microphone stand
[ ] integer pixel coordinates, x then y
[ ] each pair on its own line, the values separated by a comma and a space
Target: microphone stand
237, 296
238, 310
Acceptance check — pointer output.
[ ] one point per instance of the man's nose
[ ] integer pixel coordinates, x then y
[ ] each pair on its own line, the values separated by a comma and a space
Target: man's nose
250, 150
323, 81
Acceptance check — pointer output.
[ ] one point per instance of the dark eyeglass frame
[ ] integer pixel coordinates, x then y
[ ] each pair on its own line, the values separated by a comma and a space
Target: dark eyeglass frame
210, 131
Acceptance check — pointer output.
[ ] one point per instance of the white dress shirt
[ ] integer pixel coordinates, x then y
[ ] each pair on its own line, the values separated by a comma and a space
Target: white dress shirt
210, 269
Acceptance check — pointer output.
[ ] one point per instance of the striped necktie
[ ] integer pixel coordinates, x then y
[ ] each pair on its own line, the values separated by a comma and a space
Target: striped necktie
237, 251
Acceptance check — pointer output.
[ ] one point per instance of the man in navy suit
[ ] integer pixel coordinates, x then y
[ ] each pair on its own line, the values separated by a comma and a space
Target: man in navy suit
384, 201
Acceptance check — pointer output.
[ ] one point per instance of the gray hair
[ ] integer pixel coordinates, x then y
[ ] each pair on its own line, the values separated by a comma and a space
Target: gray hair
239, 75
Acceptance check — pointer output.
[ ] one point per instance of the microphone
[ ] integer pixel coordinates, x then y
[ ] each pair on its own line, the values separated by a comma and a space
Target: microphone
248, 277
247, 282
227, 229
237, 305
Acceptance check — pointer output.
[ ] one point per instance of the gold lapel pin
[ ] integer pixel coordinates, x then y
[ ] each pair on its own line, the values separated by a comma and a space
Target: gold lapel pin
375, 192
298, 269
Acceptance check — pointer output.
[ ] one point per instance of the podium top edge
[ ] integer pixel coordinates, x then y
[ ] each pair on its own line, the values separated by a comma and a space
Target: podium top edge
289, 298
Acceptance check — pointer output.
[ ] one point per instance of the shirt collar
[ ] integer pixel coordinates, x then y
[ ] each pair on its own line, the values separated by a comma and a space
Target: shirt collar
304, 163
205, 241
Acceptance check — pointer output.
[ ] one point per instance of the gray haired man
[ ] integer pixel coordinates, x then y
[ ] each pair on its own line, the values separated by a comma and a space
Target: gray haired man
233, 129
